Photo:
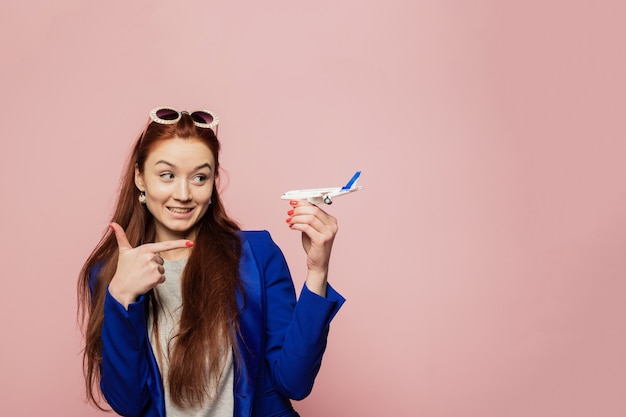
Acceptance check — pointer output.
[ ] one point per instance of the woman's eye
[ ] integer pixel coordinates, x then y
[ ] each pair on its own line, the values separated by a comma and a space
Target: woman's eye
167, 176
200, 178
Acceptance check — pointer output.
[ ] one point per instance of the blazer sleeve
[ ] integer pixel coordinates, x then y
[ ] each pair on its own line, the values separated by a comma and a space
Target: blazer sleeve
295, 331
126, 370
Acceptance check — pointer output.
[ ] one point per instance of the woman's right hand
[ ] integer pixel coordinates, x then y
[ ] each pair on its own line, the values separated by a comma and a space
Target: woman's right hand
139, 269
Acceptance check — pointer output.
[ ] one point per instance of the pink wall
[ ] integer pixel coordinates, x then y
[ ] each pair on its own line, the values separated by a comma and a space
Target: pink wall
484, 263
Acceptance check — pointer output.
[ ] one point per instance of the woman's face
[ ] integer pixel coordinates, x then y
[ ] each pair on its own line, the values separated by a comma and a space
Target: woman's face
178, 179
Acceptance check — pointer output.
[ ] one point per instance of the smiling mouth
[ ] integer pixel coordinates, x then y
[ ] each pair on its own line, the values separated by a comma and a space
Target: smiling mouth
179, 210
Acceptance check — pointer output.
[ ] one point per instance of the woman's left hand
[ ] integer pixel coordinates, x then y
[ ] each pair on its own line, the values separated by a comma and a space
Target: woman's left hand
318, 233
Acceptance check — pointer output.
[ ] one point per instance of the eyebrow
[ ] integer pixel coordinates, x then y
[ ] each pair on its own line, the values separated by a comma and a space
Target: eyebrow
205, 165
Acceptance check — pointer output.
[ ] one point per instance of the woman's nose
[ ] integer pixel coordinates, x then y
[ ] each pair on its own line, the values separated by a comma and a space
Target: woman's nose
183, 193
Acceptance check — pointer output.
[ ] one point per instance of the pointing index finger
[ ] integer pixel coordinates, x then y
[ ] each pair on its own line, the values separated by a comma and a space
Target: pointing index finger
168, 245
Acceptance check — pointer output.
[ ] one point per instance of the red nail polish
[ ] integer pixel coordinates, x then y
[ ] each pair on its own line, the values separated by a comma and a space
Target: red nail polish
290, 212
293, 202
288, 219
189, 244
111, 226
290, 226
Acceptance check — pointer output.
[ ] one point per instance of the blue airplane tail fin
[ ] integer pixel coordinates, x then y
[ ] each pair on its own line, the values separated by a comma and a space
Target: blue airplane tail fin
352, 181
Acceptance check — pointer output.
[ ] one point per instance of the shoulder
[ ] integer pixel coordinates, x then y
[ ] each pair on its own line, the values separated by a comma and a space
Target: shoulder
253, 234
261, 244
255, 237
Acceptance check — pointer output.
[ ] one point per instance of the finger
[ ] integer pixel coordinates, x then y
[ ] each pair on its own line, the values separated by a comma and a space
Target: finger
161, 269
323, 224
158, 259
310, 209
301, 203
167, 245
314, 232
304, 212
120, 236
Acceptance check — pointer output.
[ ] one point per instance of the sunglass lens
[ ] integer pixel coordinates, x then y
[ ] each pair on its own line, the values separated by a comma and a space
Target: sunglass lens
202, 117
167, 114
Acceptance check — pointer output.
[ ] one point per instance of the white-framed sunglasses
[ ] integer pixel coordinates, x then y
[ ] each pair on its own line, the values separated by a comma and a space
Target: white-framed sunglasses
169, 116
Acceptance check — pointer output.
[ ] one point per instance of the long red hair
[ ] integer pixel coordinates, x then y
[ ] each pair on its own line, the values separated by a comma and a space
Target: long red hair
209, 324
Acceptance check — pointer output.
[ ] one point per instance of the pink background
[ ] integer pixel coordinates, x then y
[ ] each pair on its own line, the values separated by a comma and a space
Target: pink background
484, 263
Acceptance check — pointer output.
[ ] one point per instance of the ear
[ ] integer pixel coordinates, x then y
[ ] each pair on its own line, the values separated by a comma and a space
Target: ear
139, 179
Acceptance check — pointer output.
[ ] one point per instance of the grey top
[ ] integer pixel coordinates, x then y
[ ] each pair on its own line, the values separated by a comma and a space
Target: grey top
170, 300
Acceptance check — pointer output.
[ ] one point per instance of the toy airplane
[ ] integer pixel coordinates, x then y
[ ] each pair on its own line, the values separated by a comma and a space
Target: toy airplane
324, 195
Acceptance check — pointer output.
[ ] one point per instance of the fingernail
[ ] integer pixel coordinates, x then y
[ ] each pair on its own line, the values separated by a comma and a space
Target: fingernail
293, 202
189, 243
111, 226
290, 226
290, 212
288, 220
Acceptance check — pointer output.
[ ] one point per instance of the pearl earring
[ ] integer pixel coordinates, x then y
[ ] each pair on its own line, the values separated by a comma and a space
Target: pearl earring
142, 197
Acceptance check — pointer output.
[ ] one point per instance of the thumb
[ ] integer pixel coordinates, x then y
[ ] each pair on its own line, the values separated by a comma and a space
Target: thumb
120, 236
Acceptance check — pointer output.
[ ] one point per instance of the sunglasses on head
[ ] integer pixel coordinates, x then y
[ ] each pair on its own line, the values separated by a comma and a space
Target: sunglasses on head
169, 116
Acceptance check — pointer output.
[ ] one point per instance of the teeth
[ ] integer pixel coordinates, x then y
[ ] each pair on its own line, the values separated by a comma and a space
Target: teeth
179, 210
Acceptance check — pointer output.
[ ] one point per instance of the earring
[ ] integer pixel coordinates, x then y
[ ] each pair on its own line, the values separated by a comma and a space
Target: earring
142, 197
210, 201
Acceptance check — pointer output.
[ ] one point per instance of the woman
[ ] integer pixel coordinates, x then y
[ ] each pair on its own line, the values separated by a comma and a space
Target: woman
186, 315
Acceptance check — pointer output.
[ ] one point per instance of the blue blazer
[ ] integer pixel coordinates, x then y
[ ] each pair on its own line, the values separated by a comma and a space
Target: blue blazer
282, 341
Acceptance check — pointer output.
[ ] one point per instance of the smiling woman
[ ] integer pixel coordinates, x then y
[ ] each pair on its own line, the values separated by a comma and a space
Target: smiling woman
184, 313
